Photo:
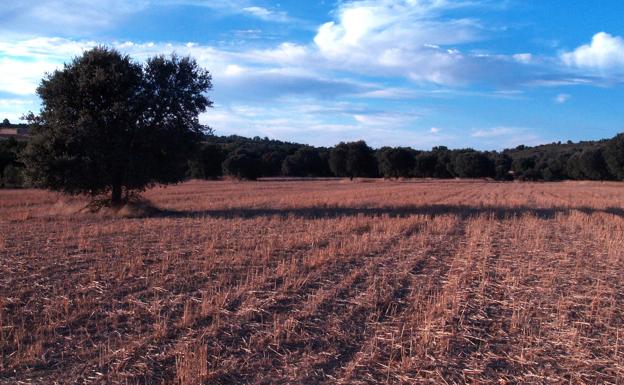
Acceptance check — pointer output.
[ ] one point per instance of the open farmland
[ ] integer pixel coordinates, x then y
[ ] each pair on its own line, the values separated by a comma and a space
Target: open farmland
324, 281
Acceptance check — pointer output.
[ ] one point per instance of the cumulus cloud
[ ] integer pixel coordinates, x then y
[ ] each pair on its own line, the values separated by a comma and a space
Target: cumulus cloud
394, 37
605, 52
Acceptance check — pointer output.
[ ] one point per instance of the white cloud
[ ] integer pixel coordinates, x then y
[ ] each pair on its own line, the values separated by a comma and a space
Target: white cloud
233, 70
416, 40
23, 63
562, 98
523, 57
504, 137
397, 37
391, 93
605, 52
284, 54
386, 119
266, 14
492, 132
435, 130
20, 77
45, 48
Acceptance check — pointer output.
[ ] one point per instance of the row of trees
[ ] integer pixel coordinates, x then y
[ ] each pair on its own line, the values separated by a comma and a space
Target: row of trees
245, 158
253, 158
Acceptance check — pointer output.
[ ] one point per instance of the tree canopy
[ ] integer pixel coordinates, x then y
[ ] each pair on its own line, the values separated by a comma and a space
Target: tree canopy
396, 162
111, 125
353, 159
614, 156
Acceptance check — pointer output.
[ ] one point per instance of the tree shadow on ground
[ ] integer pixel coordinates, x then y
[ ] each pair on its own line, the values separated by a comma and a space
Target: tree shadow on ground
462, 211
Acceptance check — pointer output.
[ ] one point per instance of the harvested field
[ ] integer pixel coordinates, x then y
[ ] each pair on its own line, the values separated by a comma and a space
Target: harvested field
326, 281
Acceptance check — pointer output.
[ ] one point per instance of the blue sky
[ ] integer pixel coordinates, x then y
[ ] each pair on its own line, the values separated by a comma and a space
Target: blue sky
462, 73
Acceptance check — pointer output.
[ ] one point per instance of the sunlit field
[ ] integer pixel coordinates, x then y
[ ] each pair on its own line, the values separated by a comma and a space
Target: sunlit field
321, 281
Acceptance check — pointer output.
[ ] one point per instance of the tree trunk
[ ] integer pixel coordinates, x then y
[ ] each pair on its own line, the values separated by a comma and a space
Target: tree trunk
116, 195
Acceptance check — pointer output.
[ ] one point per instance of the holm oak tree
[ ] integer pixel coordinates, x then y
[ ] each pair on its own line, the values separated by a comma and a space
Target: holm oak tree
109, 125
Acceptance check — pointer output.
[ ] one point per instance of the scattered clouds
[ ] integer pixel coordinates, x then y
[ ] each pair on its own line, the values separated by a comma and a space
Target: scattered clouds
346, 83
604, 53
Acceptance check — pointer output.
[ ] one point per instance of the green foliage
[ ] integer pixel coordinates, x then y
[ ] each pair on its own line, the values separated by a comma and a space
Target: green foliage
593, 165
243, 164
502, 166
425, 164
473, 164
554, 168
353, 159
614, 156
396, 162
108, 124
525, 168
13, 176
306, 161
11, 169
206, 164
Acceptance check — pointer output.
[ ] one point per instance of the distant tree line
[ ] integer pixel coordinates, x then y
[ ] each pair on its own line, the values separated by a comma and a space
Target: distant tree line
251, 158
246, 158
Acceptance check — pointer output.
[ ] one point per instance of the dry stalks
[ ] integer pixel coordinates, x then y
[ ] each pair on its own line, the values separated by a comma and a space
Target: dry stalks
308, 282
